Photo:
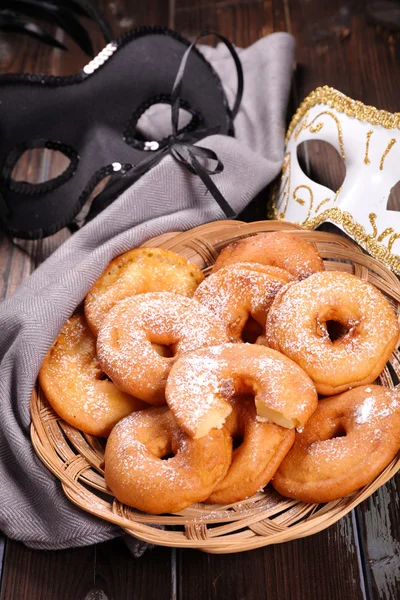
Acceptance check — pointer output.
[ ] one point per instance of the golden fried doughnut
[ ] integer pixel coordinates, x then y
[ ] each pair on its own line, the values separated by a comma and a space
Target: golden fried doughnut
297, 327
138, 271
124, 344
278, 249
240, 291
137, 475
255, 461
75, 385
347, 442
200, 384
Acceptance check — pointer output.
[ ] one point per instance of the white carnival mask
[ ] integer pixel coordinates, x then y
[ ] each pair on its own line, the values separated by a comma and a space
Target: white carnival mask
368, 140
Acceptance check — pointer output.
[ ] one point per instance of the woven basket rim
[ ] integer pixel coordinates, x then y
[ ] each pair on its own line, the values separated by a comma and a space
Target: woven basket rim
266, 518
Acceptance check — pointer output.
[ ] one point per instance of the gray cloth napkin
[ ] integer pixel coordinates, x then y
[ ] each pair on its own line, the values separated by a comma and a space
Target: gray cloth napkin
33, 508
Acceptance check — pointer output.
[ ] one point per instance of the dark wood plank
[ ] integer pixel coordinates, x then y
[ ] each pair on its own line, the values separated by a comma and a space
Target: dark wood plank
312, 567
379, 524
103, 572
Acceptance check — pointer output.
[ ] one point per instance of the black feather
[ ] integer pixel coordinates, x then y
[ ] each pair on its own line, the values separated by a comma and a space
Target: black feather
58, 12
9, 21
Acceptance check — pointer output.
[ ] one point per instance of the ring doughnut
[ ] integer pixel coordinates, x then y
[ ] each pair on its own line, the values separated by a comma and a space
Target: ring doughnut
297, 327
347, 442
240, 291
255, 461
138, 271
278, 249
125, 341
200, 384
137, 475
74, 383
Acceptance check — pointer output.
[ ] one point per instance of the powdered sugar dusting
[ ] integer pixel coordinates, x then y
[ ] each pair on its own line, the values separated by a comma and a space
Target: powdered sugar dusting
364, 411
125, 339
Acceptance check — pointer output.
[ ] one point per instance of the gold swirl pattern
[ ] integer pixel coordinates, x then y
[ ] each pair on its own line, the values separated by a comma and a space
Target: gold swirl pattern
385, 233
366, 157
321, 204
384, 155
315, 128
301, 201
372, 219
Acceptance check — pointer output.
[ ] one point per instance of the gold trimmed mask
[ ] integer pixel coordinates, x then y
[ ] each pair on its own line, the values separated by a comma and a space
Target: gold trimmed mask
368, 140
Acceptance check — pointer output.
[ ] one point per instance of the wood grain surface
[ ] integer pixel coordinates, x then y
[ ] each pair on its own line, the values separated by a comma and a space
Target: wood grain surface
358, 557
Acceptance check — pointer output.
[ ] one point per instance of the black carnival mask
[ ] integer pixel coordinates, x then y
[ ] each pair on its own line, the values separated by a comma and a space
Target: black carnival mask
92, 118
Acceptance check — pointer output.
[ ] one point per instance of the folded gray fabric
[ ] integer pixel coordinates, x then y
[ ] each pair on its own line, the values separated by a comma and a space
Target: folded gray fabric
33, 508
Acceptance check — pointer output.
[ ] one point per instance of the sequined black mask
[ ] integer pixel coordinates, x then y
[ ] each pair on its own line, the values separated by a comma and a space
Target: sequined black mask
92, 116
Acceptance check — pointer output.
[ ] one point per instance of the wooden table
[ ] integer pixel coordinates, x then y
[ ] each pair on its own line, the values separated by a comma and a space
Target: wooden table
356, 558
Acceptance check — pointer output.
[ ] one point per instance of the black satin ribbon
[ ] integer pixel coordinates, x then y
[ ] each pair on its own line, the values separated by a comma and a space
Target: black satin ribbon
181, 146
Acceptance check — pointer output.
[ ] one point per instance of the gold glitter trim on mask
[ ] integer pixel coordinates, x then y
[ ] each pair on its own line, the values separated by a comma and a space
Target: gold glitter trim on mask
358, 233
344, 104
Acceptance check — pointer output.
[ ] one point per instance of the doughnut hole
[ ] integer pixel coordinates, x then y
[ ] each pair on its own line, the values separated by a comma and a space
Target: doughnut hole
101, 376
251, 331
163, 350
237, 441
337, 325
335, 429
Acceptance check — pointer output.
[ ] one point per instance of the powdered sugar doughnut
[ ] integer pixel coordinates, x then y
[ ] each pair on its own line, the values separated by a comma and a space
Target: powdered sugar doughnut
201, 383
75, 385
239, 291
254, 462
137, 475
347, 442
278, 249
138, 271
124, 344
297, 327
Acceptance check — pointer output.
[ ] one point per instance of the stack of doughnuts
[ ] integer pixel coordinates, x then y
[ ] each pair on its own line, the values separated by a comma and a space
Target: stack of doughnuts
160, 364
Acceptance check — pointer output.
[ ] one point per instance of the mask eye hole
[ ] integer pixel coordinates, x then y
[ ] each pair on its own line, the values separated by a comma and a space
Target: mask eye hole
155, 122
393, 202
322, 163
38, 167
152, 122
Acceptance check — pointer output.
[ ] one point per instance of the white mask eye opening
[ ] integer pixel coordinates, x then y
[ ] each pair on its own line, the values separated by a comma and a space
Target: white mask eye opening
322, 163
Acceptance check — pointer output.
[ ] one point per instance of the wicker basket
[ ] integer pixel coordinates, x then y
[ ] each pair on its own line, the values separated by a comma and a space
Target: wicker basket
266, 518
